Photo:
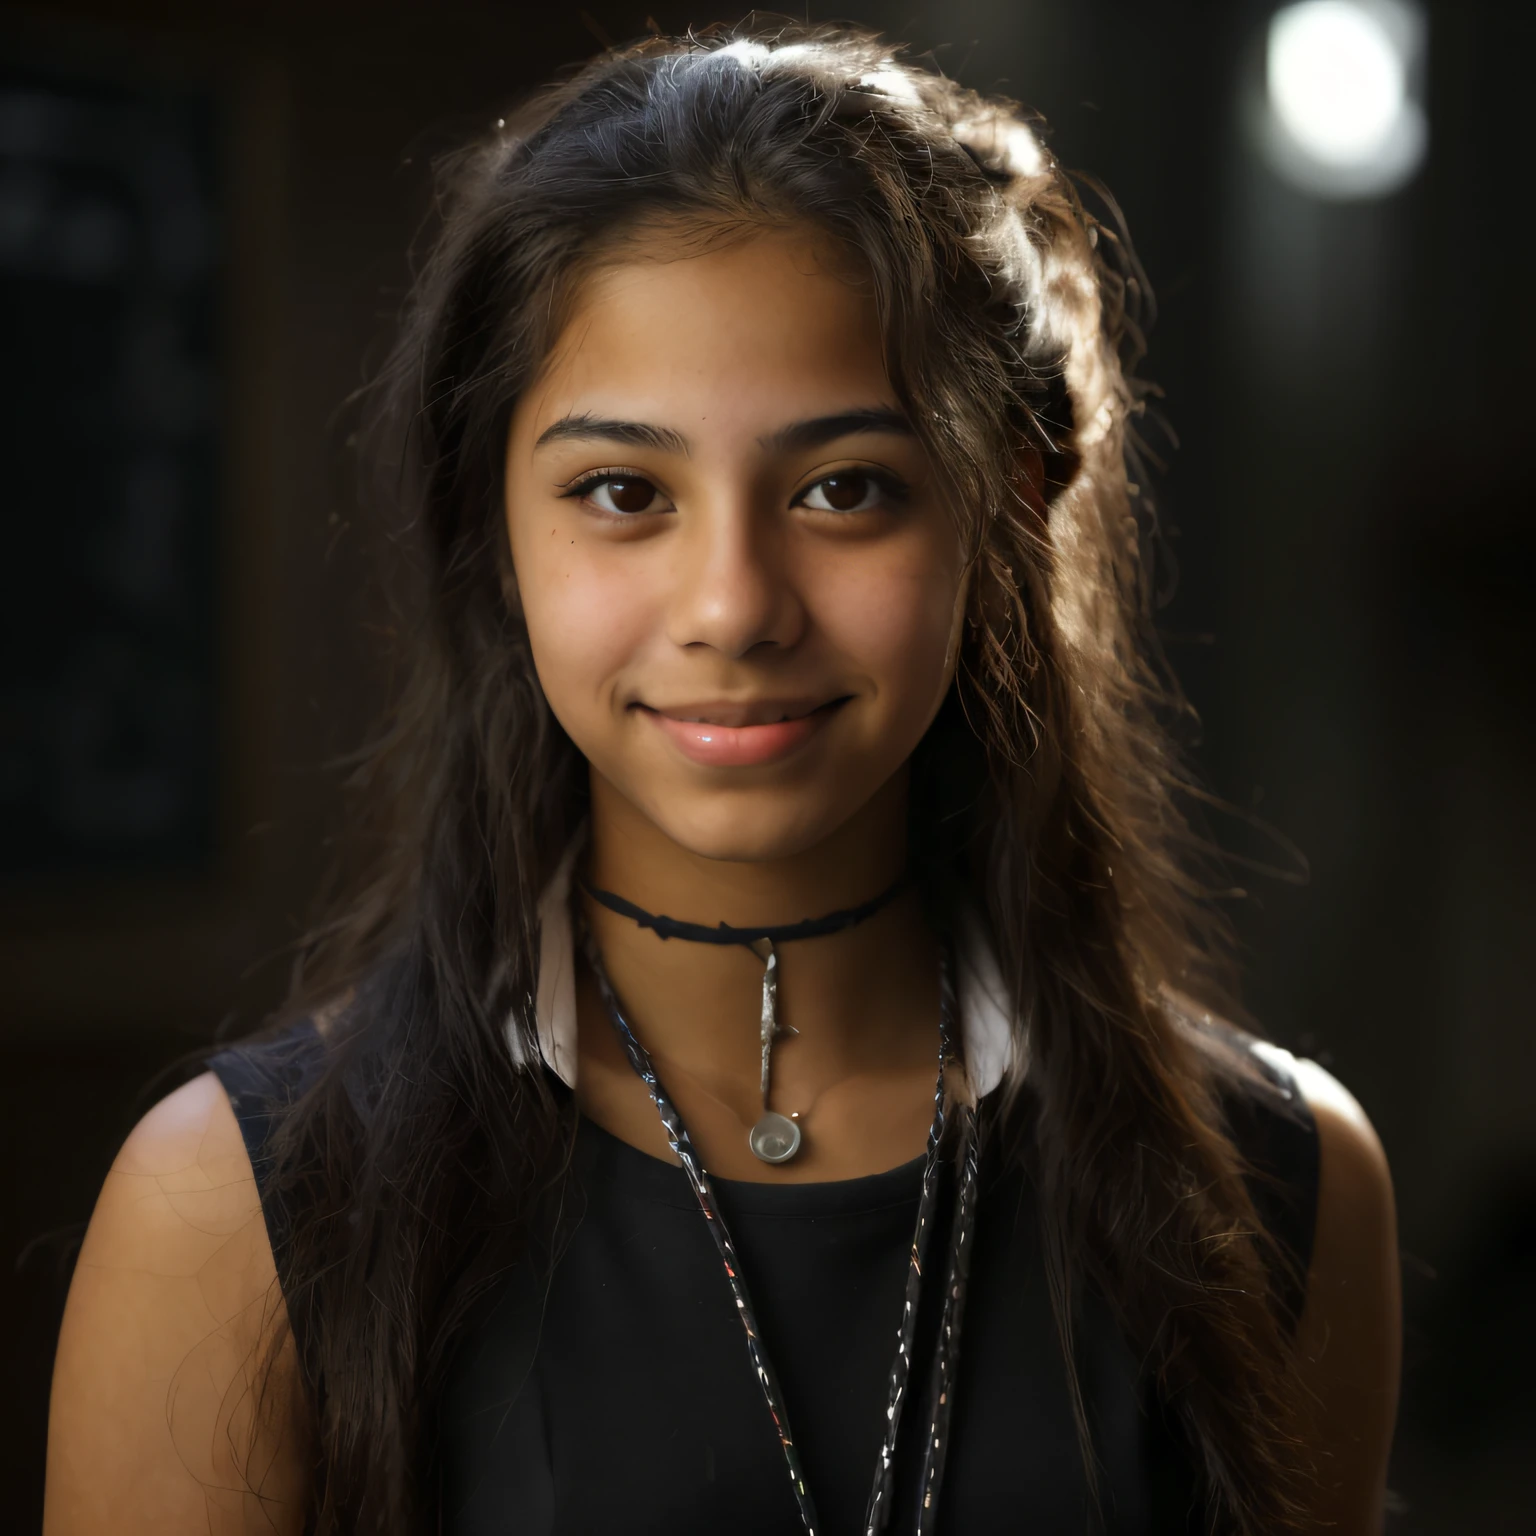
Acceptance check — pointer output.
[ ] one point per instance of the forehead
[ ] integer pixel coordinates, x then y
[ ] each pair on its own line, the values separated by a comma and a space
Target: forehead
770, 325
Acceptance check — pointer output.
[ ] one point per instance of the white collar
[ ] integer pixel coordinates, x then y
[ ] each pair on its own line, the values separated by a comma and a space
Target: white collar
986, 1038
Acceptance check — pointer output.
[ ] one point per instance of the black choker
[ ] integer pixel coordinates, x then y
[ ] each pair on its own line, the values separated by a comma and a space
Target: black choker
775, 1138
724, 933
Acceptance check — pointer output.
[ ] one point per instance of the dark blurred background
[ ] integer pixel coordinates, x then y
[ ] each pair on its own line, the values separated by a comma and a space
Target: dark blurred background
204, 211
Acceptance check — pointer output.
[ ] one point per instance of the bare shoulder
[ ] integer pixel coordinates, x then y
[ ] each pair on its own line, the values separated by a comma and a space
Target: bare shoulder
164, 1417
1354, 1252
183, 1172
1350, 1338
1346, 1132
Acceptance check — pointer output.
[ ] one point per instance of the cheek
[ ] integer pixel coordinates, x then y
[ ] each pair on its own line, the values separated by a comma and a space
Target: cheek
894, 618
564, 587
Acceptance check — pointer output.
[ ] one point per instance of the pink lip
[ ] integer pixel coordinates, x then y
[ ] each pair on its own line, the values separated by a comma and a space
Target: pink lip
740, 746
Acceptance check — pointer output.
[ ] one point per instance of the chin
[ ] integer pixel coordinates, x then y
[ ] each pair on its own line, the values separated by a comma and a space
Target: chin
741, 829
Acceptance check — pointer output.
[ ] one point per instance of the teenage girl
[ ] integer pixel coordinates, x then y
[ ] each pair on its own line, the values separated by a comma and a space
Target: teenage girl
771, 1076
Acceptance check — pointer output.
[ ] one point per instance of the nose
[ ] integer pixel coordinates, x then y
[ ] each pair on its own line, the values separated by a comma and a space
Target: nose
732, 588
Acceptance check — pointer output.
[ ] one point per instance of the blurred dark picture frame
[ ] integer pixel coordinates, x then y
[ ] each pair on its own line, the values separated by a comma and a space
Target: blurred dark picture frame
136, 901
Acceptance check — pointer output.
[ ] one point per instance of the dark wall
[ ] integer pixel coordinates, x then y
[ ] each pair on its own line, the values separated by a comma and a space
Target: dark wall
1349, 510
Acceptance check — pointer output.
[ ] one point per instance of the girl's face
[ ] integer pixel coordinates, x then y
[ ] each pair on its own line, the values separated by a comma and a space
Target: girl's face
743, 591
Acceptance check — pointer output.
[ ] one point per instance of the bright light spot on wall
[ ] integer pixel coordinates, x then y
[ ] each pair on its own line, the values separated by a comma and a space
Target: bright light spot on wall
1342, 79
1336, 82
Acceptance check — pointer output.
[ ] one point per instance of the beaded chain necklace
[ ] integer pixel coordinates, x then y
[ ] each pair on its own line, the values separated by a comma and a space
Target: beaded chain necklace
878, 1511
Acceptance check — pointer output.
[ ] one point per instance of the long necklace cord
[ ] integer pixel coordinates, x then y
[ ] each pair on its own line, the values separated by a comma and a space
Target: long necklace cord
879, 1507
682, 1147
878, 1511
936, 1450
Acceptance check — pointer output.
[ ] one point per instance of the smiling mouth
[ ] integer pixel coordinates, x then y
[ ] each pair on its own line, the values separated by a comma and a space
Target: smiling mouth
742, 735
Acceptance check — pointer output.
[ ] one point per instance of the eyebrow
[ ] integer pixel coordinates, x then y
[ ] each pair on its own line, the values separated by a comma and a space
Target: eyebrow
636, 434
813, 433
827, 429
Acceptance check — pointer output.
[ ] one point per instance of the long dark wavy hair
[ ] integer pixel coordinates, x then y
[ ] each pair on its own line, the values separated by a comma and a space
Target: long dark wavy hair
414, 1168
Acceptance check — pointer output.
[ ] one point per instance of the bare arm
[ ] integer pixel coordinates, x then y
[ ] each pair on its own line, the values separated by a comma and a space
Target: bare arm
1350, 1338
163, 1418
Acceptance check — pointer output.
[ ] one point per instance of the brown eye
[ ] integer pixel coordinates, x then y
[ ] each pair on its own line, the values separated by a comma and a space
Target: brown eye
624, 494
851, 491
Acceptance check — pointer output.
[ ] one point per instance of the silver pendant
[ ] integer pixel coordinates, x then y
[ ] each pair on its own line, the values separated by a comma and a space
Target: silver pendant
775, 1138
768, 1023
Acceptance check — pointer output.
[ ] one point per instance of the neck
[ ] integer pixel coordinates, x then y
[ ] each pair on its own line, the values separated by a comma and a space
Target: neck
853, 996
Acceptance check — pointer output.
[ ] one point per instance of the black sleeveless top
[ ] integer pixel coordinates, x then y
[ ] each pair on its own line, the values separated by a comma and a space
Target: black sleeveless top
611, 1390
